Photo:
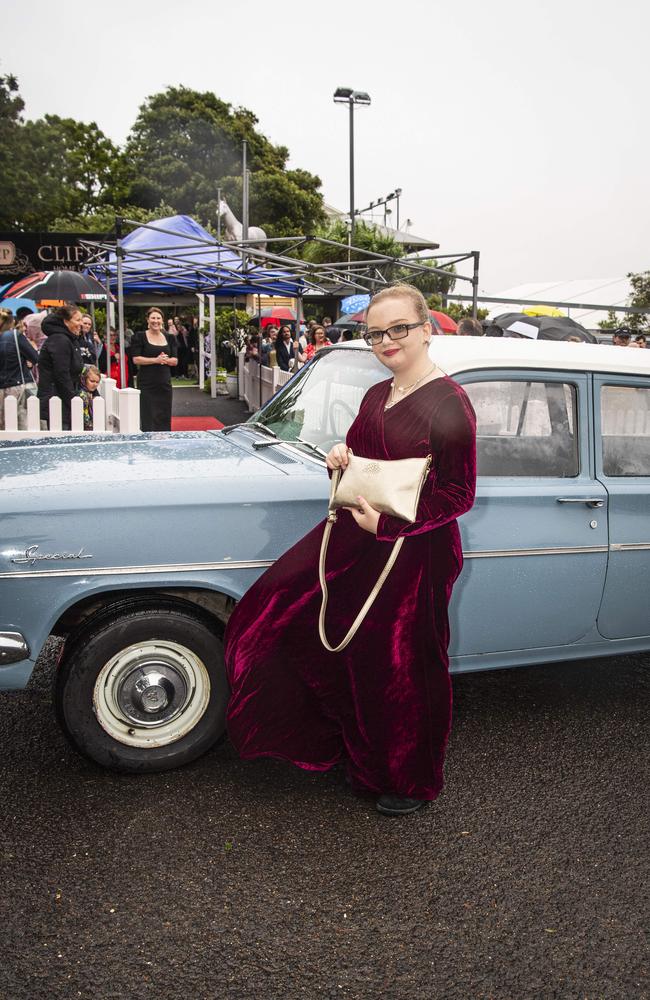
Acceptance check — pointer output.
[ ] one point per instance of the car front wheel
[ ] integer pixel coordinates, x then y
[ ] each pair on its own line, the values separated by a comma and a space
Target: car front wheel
143, 690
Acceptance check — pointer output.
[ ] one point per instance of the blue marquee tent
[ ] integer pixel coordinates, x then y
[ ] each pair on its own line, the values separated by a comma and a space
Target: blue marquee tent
176, 255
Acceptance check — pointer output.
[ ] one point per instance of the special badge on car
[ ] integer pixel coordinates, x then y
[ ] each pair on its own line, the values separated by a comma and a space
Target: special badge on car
31, 556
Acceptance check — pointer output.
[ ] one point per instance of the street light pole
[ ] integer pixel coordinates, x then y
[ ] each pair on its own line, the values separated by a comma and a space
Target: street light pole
351, 171
345, 95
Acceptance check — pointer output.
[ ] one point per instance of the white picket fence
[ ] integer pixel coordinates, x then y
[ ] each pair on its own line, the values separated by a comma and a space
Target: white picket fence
251, 374
115, 411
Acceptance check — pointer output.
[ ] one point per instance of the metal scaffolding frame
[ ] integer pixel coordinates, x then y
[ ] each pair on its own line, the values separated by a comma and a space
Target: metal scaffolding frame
239, 267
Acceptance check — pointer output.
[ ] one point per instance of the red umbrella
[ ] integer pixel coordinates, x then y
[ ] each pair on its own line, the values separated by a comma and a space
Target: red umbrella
62, 285
275, 314
440, 321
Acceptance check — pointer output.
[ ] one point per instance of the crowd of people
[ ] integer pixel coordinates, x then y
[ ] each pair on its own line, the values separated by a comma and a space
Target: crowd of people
623, 337
60, 353
280, 346
287, 349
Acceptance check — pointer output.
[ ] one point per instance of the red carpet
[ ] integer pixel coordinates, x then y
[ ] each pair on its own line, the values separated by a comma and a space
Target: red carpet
196, 424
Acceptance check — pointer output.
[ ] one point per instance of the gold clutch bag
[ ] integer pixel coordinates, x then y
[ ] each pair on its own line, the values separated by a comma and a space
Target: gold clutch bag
392, 487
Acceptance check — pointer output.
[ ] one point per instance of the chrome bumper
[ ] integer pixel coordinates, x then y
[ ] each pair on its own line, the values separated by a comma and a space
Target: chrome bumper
13, 648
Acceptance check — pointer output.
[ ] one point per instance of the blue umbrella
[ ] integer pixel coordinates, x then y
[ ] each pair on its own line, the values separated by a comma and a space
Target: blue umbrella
15, 304
354, 303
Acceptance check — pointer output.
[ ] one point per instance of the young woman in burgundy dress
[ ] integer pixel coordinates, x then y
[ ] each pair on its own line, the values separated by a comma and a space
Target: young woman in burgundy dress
382, 705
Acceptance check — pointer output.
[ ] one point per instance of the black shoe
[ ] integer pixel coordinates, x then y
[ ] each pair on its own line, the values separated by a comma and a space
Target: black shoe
393, 805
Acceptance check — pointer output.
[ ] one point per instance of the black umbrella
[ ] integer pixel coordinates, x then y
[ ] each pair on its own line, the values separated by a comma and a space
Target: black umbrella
62, 286
542, 327
347, 323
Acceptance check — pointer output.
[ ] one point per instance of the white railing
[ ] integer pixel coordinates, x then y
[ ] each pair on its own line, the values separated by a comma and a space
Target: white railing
251, 374
115, 411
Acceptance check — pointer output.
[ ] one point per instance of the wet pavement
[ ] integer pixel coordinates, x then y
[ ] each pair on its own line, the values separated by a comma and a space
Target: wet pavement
190, 401
527, 879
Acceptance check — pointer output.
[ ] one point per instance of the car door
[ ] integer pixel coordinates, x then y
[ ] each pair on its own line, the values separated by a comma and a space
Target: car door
622, 421
535, 543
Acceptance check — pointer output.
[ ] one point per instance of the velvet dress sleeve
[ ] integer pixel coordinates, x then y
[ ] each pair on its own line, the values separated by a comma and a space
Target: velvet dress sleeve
450, 488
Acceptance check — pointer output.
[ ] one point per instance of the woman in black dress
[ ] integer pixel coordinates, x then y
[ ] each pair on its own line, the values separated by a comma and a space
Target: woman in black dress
154, 353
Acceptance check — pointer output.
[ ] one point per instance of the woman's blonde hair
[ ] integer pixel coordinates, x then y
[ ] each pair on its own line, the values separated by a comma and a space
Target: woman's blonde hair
6, 319
412, 295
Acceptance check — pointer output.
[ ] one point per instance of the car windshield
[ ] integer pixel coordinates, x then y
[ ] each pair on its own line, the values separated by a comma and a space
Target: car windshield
320, 403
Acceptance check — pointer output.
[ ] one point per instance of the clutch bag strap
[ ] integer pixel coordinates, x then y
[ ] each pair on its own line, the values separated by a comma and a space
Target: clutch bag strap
331, 518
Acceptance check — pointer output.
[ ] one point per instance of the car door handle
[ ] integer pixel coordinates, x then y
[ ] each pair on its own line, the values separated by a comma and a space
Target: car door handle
590, 501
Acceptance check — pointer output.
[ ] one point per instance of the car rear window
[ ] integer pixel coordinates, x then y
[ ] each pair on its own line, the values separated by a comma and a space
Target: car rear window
525, 428
625, 424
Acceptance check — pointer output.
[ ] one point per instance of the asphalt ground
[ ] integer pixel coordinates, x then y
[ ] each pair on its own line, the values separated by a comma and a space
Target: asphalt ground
188, 401
528, 878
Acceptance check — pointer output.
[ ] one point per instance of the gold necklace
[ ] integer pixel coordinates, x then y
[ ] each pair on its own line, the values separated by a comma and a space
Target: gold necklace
405, 388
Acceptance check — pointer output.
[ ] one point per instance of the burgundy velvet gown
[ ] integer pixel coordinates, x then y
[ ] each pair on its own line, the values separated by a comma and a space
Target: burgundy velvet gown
382, 705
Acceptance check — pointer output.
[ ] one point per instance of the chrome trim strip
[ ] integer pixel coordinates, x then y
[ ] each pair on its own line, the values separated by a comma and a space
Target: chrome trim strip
265, 563
13, 648
510, 553
629, 546
134, 570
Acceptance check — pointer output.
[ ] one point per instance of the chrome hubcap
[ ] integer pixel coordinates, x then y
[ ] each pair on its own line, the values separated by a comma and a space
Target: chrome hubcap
151, 694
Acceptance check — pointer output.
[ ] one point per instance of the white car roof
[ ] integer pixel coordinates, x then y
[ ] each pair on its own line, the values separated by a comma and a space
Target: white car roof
460, 354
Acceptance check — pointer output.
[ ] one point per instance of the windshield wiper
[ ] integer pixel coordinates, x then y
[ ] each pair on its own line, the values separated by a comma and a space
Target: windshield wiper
269, 444
314, 447
252, 424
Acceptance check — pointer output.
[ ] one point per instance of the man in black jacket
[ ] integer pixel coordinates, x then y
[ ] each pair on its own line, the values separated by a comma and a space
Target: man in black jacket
60, 362
284, 350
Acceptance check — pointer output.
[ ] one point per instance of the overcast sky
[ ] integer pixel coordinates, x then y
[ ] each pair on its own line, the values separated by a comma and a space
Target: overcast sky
516, 128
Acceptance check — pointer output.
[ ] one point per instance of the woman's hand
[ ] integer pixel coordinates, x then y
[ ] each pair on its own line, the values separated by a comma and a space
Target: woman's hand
337, 457
365, 515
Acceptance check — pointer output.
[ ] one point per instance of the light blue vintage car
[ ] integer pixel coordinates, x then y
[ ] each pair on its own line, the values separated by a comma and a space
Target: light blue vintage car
135, 549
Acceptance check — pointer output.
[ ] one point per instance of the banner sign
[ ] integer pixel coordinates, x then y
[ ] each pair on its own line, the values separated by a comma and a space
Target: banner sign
24, 253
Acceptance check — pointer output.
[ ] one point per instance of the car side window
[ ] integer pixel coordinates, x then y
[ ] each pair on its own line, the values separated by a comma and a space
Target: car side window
625, 424
525, 428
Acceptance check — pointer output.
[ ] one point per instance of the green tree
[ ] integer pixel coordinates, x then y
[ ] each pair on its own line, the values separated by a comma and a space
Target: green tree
432, 283
456, 310
49, 168
102, 220
227, 321
637, 322
641, 298
285, 202
183, 146
186, 144
612, 322
11, 107
366, 239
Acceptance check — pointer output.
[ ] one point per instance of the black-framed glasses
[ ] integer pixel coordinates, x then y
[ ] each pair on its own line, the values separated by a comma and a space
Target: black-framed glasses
398, 332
